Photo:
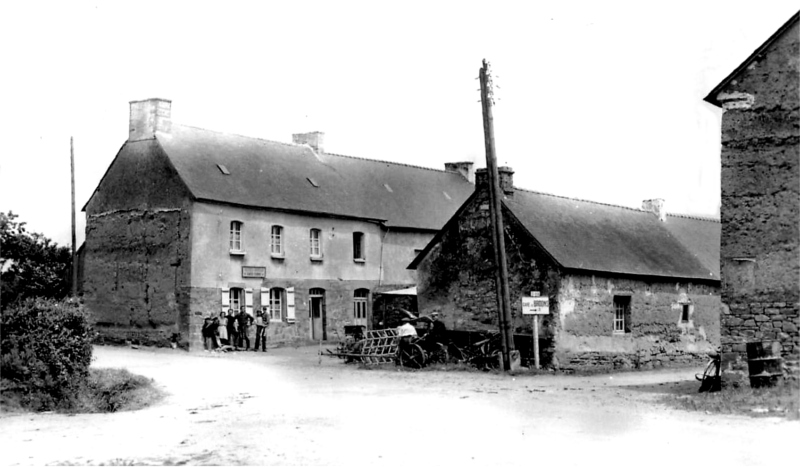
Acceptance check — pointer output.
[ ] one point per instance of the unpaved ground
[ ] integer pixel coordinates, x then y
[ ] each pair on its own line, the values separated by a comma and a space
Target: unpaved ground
287, 408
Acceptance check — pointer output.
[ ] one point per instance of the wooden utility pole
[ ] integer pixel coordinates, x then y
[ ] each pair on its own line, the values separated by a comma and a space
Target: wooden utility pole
496, 214
74, 259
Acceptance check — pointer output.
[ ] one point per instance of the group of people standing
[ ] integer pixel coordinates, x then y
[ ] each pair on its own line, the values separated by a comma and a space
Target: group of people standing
232, 331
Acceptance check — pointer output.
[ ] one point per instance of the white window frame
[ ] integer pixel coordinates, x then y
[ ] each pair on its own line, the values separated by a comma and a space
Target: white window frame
276, 241
360, 304
315, 243
622, 311
236, 299
277, 302
236, 237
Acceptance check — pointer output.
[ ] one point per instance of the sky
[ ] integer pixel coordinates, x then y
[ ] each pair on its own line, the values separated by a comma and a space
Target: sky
594, 100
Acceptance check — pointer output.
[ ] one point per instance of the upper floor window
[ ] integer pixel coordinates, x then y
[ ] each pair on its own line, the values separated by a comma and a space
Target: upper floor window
316, 243
622, 314
358, 246
236, 237
276, 240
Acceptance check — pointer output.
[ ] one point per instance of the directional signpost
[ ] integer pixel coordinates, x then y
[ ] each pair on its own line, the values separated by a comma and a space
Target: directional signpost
535, 305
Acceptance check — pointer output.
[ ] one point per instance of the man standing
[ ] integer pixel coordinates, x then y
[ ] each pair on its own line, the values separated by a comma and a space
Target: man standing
262, 323
230, 326
244, 322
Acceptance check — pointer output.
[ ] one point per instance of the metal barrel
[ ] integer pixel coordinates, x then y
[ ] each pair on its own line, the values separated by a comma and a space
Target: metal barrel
764, 363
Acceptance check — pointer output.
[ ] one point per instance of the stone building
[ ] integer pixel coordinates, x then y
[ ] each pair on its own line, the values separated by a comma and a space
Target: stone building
760, 210
187, 222
626, 287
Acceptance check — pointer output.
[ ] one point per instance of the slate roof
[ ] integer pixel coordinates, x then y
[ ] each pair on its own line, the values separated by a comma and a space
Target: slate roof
592, 236
274, 175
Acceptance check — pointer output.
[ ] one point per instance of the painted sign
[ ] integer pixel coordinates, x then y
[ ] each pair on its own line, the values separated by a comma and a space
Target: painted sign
254, 271
535, 305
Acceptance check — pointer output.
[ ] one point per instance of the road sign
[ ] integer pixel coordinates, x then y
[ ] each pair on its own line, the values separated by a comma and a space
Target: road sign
535, 305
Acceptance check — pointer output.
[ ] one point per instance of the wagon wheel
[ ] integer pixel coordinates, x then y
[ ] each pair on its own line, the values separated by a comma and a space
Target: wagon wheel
412, 356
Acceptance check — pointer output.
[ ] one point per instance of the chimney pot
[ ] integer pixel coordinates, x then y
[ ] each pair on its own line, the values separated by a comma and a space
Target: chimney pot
465, 169
657, 207
315, 139
148, 117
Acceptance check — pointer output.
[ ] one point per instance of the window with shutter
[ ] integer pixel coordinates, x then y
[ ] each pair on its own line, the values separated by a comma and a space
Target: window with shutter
290, 309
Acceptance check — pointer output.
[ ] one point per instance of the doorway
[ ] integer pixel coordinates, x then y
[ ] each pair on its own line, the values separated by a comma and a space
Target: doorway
316, 313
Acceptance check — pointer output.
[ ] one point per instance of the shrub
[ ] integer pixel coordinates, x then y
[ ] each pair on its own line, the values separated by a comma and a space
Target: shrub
115, 389
45, 352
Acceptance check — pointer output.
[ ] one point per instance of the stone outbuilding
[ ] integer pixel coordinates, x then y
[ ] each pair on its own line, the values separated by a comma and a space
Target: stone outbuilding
188, 222
760, 210
627, 288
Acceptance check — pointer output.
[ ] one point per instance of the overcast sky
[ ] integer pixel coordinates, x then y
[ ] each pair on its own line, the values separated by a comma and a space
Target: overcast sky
597, 100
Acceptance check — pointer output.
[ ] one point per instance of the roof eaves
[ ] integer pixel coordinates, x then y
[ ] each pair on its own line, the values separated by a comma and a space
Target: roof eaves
711, 98
293, 211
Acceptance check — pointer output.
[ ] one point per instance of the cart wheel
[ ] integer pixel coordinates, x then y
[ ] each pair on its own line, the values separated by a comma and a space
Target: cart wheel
412, 356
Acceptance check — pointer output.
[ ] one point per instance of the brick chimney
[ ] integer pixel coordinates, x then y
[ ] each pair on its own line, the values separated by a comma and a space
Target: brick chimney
315, 139
149, 117
506, 176
465, 169
655, 206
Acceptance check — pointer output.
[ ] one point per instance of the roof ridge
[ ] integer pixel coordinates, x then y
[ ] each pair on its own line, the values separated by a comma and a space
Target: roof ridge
695, 217
403, 164
673, 214
240, 135
578, 199
306, 145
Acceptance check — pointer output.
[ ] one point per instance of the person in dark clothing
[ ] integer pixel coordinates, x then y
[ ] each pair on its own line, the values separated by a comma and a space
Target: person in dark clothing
262, 323
230, 326
244, 320
209, 332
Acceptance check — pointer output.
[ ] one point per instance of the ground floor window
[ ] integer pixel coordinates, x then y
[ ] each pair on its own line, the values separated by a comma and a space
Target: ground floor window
685, 313
277, 302
622, 314
236, 299
360, 303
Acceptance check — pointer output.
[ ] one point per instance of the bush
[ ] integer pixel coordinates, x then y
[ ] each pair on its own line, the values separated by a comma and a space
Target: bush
115, 389
45, 353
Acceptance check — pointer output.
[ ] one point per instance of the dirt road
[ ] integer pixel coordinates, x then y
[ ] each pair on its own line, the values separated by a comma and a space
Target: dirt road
285, 408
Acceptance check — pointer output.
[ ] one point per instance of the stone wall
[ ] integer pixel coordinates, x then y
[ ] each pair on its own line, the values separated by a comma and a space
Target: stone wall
760, 211
136, 257
657, 334
457, 279
135, 275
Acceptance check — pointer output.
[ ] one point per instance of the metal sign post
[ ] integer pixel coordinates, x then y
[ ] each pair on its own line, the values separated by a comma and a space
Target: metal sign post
535, 305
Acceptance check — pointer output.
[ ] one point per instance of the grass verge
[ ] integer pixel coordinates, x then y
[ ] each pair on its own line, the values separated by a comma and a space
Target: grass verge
106, 390
782, 400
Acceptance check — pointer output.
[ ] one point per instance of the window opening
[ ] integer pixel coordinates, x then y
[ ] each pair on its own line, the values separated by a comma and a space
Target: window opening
223, 169
236, 236
276, 303
236, 299
316, 242
276, 240
622, 314
360, 303
312, 182
358, 245
685, 314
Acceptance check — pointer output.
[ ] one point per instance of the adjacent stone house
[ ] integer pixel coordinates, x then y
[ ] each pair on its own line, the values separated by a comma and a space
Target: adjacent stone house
187, 222
626, 287
760, 210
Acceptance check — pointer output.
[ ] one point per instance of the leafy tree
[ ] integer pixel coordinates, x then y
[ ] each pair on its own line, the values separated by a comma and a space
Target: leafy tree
32, 265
